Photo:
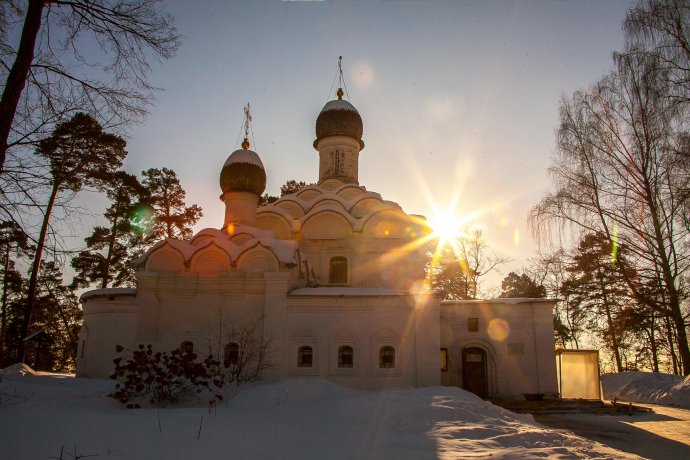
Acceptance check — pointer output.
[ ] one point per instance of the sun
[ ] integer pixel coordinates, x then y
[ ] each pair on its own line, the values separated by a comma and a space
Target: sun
447, 225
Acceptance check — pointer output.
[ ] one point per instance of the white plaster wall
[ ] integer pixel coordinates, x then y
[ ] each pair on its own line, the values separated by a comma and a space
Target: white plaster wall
522, 361
366, 324
109, 320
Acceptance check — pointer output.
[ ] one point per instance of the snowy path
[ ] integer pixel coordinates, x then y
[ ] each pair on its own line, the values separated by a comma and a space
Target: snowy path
664, 434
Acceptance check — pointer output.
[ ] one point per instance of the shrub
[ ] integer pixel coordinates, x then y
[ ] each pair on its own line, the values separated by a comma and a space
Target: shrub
164, 378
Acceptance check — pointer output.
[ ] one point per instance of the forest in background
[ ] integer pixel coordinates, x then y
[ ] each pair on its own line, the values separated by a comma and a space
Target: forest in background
614, 227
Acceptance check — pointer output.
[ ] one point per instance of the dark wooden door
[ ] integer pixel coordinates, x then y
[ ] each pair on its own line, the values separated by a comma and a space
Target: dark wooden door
474, 371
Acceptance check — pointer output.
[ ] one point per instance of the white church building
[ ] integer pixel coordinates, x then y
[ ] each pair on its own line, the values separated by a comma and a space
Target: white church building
334, 274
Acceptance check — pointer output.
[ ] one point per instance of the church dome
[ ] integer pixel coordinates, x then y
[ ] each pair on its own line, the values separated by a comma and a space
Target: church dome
243, 171
339, 118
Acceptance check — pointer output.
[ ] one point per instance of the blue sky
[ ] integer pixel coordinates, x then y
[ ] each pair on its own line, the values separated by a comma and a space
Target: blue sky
459, 99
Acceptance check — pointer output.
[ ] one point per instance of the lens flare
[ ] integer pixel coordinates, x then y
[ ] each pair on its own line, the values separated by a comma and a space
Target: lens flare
614, 245
498, 329
141, 219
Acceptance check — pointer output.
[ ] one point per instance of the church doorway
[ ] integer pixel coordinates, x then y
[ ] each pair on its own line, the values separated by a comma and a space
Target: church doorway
474, 371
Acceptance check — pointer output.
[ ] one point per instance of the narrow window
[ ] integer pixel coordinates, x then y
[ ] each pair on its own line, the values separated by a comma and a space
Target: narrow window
83, 345
187, 347
473, 324
336, 163
444, 359
305, 356
337, 270
387, 357
345, 357
231, 354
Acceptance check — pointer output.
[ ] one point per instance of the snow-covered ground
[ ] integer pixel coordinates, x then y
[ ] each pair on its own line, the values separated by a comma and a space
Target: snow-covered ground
42, 414
650, 387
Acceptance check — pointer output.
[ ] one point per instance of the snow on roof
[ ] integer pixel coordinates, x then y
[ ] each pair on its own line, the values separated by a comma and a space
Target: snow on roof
345, 291
284, 250
339, 104
109, 292
244, 156
509, 301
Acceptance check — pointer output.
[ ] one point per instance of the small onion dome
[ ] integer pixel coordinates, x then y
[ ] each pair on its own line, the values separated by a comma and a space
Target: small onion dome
339, 118
243, 171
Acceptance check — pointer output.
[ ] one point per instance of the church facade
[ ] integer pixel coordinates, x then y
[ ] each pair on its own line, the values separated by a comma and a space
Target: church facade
334, 275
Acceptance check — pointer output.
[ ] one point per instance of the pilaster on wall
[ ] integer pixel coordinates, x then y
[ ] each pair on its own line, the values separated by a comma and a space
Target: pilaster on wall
545, 344
428, 339
275, 321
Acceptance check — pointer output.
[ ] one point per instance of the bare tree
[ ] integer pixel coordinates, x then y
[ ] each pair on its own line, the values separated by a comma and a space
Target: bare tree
618, 173
244, 351
55, 72
662, 28
457, 269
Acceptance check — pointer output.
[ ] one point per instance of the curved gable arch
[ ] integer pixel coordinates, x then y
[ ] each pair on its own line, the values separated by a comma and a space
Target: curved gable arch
328, 202
308, 193
291, 206
366, 205
258, 260
273, 221
165, 259
211, 259
349, 192
387, 223
326, 224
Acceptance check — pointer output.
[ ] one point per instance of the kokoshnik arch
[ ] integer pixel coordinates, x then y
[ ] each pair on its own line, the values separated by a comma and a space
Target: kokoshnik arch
335, 275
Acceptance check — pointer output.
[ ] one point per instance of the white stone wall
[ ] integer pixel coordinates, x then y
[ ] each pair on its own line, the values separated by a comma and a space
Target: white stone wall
520, 357
366, 323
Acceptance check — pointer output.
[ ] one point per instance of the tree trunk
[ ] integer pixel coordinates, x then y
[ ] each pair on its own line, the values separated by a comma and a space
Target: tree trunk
16, 79
652, 343
609, 322
681, 333
111, 243
670, 336
3, 318
33, 281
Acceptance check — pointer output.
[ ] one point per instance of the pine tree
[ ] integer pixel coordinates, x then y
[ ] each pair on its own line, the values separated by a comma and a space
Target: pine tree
171, 217
79, 155
597, 286
59, 315
14, 244
105, 261
514, 285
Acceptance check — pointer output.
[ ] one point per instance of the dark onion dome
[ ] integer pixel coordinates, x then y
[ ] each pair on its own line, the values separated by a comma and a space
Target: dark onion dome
243, 171
339, 118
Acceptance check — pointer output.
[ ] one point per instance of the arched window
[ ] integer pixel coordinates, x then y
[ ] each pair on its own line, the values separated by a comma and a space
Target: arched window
387, 357
345, 357
187, 347
231, 354
337, 270
305, 356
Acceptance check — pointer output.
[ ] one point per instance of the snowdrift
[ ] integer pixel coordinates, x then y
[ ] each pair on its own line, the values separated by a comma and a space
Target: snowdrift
649, 387
40, 415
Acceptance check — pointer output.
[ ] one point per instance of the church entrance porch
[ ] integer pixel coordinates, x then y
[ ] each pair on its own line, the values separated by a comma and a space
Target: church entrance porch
474, 371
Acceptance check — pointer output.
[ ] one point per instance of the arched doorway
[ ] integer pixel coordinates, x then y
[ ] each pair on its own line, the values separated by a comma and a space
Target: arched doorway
474, 371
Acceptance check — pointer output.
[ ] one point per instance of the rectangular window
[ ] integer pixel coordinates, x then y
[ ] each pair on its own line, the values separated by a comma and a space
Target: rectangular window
473, 358
444, 359
516, 349
473, 324
337, 270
